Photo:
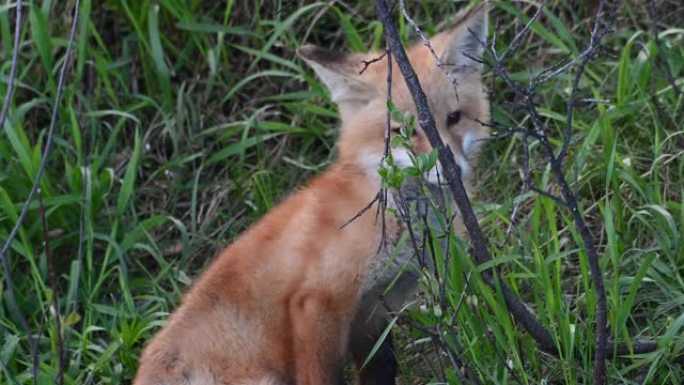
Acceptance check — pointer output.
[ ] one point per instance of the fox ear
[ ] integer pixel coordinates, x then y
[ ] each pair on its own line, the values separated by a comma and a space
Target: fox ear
338, 72
466, 42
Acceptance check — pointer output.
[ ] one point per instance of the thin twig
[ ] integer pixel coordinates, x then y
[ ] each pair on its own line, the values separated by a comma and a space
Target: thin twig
48, 141
34, 188
426, 42
515, 42
9, 94
11, 297
52, 276
597, 35
527, 182
556, 199
601, 346
360, 212
436, 338
367, 63
386, 150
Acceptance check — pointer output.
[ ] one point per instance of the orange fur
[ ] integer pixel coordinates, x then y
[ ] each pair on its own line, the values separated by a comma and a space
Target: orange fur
280, 304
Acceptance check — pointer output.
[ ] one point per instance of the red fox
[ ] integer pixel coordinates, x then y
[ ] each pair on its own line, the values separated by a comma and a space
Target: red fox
290, 300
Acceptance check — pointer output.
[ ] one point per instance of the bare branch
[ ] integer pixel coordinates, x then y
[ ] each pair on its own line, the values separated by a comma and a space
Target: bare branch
556, 162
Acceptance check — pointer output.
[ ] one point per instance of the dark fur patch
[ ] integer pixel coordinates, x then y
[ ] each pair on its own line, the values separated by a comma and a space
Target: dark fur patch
382, 368
169, 359
321, 55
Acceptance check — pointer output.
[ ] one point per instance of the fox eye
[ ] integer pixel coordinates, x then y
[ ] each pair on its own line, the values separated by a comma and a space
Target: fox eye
453, 118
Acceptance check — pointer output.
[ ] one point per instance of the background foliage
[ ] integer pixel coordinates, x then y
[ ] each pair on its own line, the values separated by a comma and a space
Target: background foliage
182, 122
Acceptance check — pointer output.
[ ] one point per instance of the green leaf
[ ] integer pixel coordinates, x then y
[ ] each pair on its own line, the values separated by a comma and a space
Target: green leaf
395, 114
353, 36
128, 182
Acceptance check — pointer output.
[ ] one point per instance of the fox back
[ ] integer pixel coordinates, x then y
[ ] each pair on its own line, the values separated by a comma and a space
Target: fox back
288, 301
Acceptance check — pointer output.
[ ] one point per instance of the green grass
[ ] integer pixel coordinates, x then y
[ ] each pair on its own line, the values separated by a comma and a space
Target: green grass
183, 122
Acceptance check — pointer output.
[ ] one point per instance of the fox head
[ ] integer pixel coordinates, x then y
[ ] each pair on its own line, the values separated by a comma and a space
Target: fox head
454, 91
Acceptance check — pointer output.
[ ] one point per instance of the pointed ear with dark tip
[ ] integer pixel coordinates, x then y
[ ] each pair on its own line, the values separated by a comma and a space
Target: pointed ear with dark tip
339, 73
466, 42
